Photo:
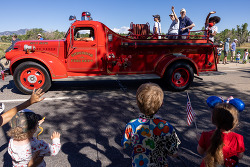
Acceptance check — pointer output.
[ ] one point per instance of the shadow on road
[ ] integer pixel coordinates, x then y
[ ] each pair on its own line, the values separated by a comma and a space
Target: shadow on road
93, 124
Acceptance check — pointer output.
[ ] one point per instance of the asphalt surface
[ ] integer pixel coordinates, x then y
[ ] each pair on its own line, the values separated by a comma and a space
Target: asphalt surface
91, 116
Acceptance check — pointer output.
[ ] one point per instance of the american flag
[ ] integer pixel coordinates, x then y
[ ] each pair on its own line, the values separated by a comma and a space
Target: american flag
190, 112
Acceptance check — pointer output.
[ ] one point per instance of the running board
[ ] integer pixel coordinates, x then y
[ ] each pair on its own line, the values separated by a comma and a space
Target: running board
110, 77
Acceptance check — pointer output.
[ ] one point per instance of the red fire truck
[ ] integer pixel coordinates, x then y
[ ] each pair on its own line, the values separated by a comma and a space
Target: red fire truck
108, 55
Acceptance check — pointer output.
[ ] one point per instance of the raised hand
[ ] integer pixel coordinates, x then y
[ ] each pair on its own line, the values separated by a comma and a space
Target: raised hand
172, 8
55, 135
36, 96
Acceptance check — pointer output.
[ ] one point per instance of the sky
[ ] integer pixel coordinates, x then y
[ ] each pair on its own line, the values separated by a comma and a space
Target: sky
52, 15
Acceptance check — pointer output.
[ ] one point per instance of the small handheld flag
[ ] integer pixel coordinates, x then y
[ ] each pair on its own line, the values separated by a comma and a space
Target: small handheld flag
190, 112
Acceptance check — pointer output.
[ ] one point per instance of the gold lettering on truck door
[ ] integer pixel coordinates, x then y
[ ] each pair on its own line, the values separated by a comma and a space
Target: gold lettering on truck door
82, 53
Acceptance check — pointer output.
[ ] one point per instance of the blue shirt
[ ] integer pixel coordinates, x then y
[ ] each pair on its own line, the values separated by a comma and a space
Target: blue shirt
184, 23
41, 39
226, 46
233, 46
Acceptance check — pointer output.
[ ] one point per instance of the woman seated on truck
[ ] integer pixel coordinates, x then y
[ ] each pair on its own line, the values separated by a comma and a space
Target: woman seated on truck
210, 25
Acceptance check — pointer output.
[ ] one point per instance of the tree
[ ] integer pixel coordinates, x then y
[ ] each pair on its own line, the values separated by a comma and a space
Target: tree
242, 33
4, 38
222, 35
54, 35
32, 34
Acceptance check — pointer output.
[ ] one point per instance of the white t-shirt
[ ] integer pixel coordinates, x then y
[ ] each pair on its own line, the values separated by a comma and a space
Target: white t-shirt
219, 50
214, 29
245, 55
238, 56
174, 27
158, 26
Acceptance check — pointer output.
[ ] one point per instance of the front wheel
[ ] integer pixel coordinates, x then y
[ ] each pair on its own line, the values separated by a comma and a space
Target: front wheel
179, 76
30, 75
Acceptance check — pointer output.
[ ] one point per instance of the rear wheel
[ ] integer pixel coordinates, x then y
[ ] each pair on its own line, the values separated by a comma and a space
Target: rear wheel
30, 75
179, 76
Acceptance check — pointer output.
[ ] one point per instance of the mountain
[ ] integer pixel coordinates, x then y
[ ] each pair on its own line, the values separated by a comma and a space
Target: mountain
18, 32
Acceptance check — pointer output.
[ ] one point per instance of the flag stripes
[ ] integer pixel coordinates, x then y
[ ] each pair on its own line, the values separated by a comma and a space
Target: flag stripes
190, 112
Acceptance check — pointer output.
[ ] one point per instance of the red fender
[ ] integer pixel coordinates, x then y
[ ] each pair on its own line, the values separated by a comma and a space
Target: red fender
56, 68
166, 61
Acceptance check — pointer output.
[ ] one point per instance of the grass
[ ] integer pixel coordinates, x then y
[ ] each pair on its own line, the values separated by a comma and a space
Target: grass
3, 47
245, 45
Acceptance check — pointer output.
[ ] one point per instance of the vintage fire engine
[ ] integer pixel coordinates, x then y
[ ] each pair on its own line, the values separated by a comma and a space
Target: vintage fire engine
108, 55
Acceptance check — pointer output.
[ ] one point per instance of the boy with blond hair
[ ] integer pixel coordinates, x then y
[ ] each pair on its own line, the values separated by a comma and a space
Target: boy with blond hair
152, 138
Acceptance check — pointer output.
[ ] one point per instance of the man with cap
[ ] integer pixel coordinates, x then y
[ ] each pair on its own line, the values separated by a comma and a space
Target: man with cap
39, 36
174, 27
157, 26
233, 49
185, 24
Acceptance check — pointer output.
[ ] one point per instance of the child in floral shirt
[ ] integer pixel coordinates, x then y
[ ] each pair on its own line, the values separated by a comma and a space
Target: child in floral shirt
152, 139
23, 145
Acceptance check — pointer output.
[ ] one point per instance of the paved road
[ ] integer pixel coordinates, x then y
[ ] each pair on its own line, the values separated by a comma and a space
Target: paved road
91, 115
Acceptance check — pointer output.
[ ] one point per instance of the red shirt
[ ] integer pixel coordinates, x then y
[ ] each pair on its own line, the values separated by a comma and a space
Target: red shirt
233, 143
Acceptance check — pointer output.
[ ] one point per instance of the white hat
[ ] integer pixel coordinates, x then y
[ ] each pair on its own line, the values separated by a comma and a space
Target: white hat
172, 14
235, 39
39, 34
183, 10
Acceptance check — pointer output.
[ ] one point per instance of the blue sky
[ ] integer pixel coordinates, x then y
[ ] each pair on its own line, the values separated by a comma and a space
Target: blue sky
53, 14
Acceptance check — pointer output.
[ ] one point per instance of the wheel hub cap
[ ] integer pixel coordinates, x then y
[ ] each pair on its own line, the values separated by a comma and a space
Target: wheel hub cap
180, 77
177, 76
32, 79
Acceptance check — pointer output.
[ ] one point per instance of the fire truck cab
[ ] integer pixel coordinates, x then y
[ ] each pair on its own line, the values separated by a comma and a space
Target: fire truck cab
91, 50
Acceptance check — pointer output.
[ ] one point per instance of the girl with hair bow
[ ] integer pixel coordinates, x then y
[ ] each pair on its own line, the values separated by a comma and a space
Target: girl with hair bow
221, 146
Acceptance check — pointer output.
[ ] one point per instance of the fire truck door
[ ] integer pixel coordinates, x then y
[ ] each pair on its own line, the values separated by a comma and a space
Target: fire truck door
83, 54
